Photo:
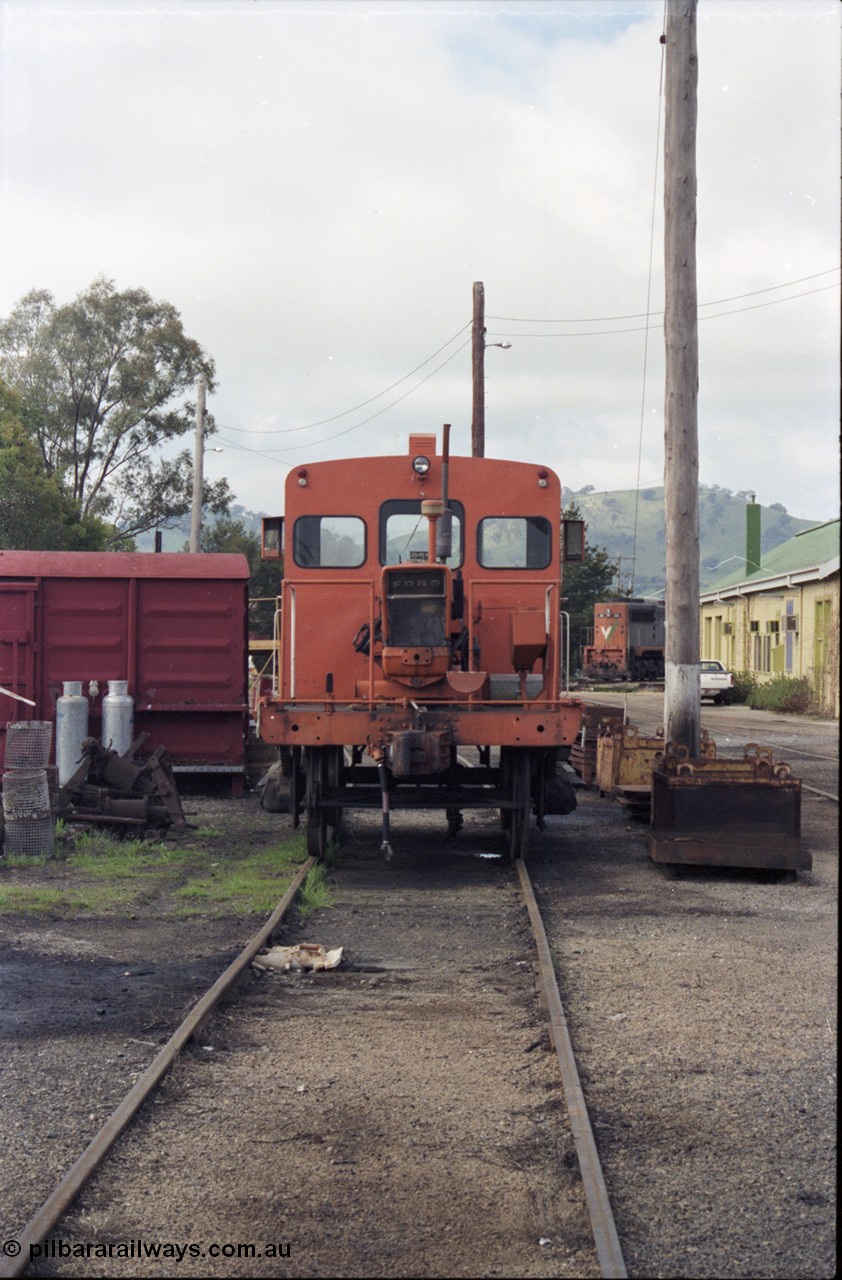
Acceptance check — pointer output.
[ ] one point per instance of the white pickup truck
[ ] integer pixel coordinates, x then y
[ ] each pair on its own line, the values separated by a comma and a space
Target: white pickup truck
716, 681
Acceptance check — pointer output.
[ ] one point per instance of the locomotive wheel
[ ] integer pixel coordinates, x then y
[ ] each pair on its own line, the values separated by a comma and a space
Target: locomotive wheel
521, 794
316, 826
322, 773
335, 775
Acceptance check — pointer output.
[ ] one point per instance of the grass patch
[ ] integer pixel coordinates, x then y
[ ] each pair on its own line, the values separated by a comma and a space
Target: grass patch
93, 873
32, 900
252, 885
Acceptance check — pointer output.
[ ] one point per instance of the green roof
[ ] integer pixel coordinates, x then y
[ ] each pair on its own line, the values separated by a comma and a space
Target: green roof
814, 552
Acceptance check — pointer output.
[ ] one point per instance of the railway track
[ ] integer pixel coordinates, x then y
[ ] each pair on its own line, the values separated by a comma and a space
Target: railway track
810, 747
591, 1194
17, 1251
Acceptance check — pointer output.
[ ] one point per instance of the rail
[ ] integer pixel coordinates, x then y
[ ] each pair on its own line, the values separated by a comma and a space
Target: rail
74, 1180
608, 1249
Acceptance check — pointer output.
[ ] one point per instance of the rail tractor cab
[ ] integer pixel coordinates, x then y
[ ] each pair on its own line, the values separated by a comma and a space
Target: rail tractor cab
417, 662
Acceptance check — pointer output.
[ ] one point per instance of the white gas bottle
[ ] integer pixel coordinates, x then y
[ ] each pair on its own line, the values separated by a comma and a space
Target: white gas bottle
71, 728
117, 717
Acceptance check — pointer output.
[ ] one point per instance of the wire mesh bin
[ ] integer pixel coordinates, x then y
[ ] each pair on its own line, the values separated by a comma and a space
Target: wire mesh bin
29, 837
26, 794
28, 744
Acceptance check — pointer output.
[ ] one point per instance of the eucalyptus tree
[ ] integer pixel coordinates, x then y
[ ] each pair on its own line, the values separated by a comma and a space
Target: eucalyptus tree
34, 513
104, 384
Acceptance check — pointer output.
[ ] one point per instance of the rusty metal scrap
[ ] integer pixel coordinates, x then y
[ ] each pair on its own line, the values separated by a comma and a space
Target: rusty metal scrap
583, 751
121, 791
723, 812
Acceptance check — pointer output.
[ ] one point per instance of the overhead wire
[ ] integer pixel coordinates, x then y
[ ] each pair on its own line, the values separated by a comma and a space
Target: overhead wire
603, 333
638, 315
281, 431
355, 427
494, 333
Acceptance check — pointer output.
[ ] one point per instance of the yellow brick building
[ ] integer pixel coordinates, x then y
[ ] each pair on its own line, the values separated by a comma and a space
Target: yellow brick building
783, 617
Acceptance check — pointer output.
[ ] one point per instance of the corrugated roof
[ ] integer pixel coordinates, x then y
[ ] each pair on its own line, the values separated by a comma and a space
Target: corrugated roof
120, 564
813, 553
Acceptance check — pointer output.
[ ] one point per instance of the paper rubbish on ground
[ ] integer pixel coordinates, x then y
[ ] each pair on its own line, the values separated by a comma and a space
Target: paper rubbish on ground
307, 955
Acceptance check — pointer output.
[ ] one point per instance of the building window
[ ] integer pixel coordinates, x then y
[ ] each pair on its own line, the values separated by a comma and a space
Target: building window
821, 637
762, 653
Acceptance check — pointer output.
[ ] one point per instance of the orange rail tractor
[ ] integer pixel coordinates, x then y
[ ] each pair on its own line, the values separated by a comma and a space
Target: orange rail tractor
419, 620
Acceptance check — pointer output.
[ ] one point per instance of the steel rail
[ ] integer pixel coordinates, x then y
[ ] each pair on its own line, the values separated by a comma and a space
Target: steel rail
71, 1184
828, 795
606, 1239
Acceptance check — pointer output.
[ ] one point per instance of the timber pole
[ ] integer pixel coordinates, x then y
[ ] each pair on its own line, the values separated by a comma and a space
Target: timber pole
478, 372
682, 706
198, 466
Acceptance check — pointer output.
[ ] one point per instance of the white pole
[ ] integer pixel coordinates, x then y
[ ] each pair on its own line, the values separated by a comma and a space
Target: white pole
198, 466
682, 706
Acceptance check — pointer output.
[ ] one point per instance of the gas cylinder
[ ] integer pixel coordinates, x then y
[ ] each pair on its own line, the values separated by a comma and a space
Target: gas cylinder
117, 717
71, 728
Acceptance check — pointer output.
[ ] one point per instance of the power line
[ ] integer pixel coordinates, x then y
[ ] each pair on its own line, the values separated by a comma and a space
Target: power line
324, 421
269, 455
605, 333
244, 448
326, 439
640, 315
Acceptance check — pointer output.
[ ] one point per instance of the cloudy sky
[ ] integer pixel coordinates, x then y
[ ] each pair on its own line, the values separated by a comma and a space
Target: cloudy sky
316, 185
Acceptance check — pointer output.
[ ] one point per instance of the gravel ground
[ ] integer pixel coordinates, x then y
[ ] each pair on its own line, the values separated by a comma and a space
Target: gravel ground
400, 1117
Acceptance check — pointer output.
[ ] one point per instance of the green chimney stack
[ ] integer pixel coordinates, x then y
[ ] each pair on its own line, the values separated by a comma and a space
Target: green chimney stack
752, 535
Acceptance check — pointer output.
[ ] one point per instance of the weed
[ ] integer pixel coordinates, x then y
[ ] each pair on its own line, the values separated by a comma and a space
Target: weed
315, 893
784, 693
745, 683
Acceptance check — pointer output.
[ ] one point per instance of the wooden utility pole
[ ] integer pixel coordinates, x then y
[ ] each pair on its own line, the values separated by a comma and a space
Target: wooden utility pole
682, 706
198, 466
478, 372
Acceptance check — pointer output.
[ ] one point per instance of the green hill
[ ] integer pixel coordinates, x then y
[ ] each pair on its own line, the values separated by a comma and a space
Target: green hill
610, 519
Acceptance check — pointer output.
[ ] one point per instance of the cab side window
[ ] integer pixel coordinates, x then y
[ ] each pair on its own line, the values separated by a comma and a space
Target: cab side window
514, 542
329, 542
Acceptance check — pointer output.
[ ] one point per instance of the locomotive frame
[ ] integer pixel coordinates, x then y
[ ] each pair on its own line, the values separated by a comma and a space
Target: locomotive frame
420, 616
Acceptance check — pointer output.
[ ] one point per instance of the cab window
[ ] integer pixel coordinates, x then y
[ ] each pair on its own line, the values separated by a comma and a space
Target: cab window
403, 532
328, 542
514, 542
